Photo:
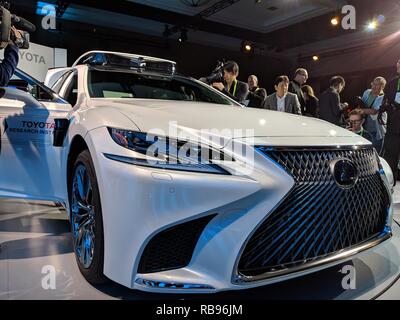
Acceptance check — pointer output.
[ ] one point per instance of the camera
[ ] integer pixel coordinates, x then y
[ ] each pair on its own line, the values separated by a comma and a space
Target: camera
217, 75
8, 20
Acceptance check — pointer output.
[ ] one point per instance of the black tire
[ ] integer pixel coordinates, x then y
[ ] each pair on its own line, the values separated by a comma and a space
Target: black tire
93, 273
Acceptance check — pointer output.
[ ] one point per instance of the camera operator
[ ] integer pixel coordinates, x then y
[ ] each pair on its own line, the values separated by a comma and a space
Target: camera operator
232, 87
391, 105
11, 58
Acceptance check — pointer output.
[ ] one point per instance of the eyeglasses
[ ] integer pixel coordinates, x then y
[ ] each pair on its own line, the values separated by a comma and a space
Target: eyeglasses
354, 121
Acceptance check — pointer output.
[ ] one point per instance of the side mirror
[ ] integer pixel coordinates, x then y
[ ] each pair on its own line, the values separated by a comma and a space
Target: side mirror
19, 84
60, 132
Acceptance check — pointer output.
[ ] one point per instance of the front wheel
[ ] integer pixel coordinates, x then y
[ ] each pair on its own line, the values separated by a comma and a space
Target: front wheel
86, 220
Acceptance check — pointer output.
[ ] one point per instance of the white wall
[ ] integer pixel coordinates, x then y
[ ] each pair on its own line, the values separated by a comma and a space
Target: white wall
38, 59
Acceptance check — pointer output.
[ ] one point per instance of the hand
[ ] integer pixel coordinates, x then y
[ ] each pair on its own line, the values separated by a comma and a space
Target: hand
218, 85
17, 33
360, 111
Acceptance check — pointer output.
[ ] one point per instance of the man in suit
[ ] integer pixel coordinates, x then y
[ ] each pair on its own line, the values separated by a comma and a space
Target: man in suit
300, 79
256, 94
232, 87
282, 100
330, 108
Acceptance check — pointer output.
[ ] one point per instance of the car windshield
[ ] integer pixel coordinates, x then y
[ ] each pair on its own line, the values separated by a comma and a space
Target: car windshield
115, 84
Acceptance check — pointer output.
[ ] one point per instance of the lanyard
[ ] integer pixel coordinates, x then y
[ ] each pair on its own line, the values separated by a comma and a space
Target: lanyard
398, 85
234, 88
373, 102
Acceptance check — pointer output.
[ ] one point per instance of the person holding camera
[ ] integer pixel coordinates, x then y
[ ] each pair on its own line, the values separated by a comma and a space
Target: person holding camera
232, 87
330, 107
11, 59
391, 105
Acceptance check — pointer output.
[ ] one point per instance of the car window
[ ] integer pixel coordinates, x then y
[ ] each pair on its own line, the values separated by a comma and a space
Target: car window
113, 84
70, 90
59, 83
25, 83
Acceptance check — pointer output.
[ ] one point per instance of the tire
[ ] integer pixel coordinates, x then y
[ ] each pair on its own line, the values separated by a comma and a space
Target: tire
86, 220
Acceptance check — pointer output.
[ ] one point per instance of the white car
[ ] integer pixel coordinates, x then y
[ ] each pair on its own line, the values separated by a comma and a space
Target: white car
304, 196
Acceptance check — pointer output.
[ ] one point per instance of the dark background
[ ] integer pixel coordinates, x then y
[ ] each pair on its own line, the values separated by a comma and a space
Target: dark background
198, 60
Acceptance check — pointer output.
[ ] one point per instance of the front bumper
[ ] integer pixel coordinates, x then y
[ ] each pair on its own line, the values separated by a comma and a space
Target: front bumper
138, 203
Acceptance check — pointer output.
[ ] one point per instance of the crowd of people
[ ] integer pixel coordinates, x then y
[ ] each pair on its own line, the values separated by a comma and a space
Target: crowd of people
375, 116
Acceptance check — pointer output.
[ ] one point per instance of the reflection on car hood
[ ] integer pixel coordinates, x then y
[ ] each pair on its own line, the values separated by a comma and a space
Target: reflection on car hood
231, 122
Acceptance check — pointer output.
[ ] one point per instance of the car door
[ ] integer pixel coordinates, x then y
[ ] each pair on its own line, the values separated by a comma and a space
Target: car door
30, 167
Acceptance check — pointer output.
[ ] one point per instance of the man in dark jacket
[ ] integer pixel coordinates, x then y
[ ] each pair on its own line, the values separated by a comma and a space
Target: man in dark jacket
10, 61
330, 108
300, 79
391, 105
232, 87
256, 94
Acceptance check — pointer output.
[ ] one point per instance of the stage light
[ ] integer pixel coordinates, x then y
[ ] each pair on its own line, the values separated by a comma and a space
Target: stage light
183, 37
315, 58
373, 25
335, 21
247, 47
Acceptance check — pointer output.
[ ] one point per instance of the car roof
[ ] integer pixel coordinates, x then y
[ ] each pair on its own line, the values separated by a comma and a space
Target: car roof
120, 54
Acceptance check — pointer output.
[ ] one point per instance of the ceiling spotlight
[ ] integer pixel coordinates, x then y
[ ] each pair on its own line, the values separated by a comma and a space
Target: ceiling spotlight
183, 37
373, 25
335, 21
315, 58
247, 46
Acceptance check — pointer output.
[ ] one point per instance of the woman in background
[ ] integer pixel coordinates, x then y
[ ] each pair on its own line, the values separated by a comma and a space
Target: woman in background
311, 102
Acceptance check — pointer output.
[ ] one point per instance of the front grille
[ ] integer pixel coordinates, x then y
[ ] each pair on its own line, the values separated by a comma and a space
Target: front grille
173, 247
318, 218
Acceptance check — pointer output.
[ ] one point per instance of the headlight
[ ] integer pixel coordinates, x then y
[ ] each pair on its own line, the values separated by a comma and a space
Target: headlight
167, 153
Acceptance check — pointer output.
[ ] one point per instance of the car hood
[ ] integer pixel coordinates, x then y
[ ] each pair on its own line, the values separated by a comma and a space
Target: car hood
230, 122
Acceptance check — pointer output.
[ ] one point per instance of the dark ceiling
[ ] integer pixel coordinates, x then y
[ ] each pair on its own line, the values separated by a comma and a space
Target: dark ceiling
274, 25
